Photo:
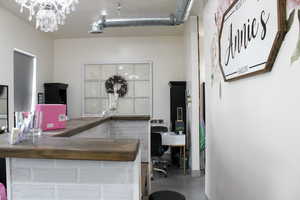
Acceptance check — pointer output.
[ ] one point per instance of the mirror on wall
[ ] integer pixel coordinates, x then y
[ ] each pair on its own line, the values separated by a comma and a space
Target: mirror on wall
4, 120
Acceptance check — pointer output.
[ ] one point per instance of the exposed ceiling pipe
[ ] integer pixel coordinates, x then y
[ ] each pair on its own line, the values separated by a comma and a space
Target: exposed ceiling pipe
182, 13
99, 26
183, 10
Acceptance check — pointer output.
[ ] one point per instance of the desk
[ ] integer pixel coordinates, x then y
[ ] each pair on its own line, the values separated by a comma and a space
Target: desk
173, 140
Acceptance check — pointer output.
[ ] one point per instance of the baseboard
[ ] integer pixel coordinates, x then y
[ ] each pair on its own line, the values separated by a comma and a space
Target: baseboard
195, 173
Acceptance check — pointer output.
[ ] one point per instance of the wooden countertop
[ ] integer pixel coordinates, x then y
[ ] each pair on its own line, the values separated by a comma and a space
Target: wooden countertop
60, 145
75, 126
72, 149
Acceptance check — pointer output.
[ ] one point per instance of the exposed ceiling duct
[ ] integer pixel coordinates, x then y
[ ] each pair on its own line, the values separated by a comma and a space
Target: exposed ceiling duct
183, 10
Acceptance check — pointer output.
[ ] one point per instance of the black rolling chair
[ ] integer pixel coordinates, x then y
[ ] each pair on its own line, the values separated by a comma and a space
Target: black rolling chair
157, 151
160, 129
166, 195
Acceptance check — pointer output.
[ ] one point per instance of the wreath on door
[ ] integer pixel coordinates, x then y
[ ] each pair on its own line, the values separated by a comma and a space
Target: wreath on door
114, 80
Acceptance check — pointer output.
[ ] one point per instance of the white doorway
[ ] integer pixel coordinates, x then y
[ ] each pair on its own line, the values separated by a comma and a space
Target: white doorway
24, 81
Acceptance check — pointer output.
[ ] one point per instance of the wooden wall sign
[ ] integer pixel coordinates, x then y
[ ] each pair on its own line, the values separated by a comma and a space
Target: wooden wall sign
251, 35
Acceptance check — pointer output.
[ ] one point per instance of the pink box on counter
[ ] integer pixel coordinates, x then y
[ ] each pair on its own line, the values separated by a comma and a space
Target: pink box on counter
53, 116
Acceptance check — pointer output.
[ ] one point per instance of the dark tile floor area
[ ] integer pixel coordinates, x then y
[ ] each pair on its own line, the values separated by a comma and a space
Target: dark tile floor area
191, 187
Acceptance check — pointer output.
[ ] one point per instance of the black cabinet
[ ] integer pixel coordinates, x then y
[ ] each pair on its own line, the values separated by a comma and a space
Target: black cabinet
178, 101
2, 171
56, 93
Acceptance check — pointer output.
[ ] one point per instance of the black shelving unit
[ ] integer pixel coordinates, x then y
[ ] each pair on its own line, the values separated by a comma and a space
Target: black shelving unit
56, 93
178, 100
3, 171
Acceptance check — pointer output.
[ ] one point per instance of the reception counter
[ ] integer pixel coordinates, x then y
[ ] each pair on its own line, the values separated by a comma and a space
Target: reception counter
76, 126
93, 158
114, 127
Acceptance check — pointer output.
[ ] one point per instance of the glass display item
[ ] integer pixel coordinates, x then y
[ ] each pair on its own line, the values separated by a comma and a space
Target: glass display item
28, 127
36, 123
113, 100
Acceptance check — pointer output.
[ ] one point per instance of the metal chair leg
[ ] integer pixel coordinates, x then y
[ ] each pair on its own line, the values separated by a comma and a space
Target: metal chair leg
161, 171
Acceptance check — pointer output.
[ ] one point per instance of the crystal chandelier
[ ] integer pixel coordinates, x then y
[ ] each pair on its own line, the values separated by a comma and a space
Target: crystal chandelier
49, 13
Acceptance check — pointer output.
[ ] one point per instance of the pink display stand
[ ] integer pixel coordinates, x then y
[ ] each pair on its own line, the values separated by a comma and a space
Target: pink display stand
53, 116
2, 192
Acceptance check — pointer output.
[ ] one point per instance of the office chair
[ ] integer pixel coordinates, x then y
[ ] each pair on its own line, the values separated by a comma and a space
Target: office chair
160, 129
157, 151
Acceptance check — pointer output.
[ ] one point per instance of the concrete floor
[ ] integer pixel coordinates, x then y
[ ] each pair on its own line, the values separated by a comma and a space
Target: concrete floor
191, 187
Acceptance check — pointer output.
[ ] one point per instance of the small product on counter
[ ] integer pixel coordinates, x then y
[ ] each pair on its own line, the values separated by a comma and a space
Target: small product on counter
15, 136
27, 125
53, 116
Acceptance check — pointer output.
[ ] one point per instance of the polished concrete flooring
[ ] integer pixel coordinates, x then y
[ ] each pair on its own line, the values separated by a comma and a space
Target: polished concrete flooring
191, 187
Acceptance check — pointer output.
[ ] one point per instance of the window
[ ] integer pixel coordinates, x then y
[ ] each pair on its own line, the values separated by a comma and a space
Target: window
138, 100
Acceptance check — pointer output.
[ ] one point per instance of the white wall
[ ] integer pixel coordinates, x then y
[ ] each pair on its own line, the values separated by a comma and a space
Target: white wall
192, 76
165, 52
15, 33
253, 130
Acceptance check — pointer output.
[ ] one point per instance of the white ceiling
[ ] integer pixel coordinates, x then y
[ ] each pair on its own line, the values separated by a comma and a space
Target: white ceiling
87, 11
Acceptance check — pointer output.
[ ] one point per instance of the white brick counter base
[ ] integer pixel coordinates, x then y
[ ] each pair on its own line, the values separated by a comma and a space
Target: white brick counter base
123, 129
45, 179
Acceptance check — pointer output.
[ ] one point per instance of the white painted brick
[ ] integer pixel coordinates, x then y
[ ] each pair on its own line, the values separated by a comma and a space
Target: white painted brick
95, 134
101, 131
132, 131
77, 163
134, 172
108, 164
33, 192
99, 181
120, 129
21, 175
130, 124
57, 175
117, 192
104, 176
41, 163
78, 192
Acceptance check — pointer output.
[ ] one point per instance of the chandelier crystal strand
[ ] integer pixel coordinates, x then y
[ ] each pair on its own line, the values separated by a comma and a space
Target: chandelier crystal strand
48, 13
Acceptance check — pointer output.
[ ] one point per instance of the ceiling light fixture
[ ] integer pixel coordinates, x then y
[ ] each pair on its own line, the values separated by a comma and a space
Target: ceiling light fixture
49, 13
